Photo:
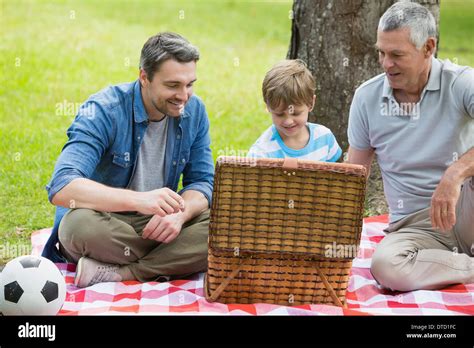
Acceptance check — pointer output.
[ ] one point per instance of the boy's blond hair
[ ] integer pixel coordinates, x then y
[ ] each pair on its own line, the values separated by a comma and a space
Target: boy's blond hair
288, 82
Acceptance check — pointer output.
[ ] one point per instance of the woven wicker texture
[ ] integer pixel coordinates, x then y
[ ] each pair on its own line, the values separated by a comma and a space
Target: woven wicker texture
272, 226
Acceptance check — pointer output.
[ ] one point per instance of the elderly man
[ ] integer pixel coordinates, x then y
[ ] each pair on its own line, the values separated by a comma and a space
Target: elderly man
120, 168
418, 118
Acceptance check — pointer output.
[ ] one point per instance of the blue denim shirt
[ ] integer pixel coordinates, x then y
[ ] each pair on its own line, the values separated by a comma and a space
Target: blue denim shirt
105, 138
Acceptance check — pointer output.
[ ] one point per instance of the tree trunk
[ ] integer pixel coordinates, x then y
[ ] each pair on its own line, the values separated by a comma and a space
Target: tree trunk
336, 40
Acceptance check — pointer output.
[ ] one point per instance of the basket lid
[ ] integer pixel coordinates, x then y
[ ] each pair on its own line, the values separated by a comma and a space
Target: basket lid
299, 207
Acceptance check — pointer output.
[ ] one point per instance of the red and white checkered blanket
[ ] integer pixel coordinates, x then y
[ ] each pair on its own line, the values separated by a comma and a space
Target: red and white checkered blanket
364, 295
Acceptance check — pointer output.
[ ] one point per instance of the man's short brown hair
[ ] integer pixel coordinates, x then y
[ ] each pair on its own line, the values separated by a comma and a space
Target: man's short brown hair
288, 82
164, 46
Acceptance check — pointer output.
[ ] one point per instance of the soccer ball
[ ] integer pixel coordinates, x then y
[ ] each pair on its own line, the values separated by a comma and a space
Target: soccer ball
31, 285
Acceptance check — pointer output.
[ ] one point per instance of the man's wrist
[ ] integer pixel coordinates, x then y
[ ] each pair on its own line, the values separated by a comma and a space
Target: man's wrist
455, 173
463, 168
184, 215
132, 200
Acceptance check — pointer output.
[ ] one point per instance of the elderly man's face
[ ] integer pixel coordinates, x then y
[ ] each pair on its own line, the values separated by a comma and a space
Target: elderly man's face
404, 64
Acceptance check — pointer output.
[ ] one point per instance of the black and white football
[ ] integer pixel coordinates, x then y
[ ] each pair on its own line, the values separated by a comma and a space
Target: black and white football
31, 285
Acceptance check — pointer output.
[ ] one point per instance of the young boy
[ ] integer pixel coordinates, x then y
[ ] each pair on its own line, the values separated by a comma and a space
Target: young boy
288, 90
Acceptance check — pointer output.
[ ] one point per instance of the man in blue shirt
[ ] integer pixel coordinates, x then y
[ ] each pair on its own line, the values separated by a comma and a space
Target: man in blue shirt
118, 214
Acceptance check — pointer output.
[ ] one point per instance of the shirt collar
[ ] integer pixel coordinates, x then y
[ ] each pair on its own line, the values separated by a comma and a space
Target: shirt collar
139, 111
434, 80
387, 91
275, 134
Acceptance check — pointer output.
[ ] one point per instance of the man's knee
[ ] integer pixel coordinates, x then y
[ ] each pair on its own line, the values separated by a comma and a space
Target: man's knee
77, 224
200, 221
464, 227
379, 265
390, 269
188, 253
197, 229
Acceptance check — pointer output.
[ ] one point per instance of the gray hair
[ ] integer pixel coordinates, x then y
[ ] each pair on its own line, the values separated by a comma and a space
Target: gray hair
410, 15
164, 46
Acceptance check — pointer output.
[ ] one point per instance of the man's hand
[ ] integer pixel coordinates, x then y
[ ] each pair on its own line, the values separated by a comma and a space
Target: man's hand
363, 157
164, 229
159, 202
443, 203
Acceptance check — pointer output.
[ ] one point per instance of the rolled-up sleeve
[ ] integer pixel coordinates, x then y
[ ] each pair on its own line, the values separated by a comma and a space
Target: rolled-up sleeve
88, 137
198, 174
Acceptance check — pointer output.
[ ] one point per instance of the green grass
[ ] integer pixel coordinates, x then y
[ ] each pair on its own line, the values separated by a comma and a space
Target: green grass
68, 50
51, 52
457, 31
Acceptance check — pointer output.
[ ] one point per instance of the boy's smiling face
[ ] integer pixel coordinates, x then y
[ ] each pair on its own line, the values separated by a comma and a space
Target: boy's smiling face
290, 120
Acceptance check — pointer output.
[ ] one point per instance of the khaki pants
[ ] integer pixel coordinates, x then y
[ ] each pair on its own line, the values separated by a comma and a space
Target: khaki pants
415, 256
116, 238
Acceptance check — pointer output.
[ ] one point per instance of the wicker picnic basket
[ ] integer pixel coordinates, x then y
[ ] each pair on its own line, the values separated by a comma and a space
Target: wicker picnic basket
276, 228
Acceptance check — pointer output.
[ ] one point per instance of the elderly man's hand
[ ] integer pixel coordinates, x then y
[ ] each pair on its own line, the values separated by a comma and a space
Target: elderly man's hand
164, 229
443, 203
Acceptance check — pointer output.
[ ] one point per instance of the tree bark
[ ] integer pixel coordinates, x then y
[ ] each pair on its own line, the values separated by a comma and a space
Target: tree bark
336, 40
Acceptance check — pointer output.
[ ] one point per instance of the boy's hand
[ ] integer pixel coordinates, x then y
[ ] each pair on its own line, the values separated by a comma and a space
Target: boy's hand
158, 202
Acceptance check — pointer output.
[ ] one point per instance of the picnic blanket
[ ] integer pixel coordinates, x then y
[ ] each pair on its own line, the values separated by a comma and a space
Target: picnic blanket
186, 297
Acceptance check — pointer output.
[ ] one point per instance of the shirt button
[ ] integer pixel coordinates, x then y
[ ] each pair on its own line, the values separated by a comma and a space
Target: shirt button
178, 136
183, 160
174, 163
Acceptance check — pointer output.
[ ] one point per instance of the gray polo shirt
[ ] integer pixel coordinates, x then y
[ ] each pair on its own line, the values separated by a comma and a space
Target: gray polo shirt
415, 147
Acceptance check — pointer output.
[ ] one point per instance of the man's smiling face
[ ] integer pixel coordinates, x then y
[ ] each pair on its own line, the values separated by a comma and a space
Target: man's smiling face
402, 62
170, 88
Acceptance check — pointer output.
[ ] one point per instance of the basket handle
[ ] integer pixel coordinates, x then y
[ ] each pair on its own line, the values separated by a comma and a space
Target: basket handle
329, 288
215, 295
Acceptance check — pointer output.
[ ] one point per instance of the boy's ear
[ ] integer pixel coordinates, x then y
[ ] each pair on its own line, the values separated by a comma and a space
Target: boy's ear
314, 102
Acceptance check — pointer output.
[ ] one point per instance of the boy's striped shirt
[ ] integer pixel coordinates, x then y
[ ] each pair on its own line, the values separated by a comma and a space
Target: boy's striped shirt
322, 145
